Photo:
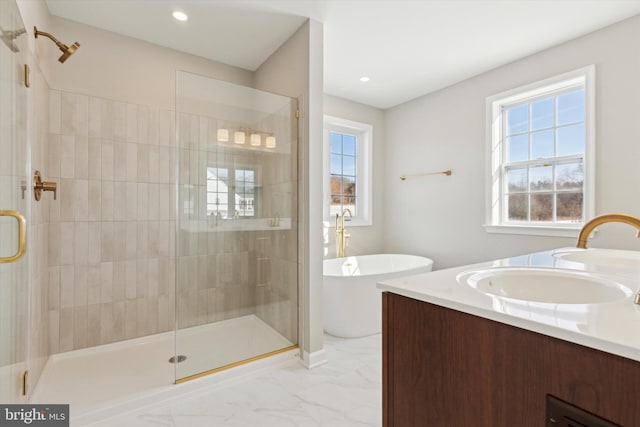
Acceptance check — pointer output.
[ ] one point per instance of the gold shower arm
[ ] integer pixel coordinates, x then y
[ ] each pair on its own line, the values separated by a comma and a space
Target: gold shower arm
447, 172
66, 50
49, 36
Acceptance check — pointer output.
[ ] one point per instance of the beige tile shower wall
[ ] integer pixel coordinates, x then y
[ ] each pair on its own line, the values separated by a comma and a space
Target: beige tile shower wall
277, 282
214, 267
216, 281
235, 273
277, 287
226, 274
111, 263
213, 283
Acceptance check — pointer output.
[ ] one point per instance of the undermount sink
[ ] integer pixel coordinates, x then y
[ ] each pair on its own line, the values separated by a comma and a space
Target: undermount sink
602, 257
545, 285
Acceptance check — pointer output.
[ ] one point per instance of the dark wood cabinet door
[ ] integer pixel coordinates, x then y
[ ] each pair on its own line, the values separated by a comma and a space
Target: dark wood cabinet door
444, 368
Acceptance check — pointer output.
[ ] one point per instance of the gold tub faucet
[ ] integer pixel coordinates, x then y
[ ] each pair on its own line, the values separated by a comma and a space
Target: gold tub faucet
341, 235
603, 219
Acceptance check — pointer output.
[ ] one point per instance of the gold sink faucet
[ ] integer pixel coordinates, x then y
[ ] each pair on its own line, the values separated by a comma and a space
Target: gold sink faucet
602, 219
341, 235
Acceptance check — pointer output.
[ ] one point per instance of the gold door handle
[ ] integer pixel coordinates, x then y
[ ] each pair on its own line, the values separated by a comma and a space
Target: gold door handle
22, 236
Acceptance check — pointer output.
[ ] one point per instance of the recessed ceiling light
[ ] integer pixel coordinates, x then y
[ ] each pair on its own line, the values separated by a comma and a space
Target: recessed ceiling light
365, 79
180, 16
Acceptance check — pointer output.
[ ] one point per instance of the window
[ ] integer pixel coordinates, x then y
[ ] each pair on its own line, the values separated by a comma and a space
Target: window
231, 192
342, 172
347, 169
541, 156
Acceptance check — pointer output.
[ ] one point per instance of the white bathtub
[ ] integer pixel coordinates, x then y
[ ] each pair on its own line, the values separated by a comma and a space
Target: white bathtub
352, 305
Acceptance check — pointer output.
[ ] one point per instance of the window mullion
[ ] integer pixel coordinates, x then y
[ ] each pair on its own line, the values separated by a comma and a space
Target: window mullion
528, 194
554, 200
545, 161
504, 214
341, 172
530, 153
555, 126
231, 192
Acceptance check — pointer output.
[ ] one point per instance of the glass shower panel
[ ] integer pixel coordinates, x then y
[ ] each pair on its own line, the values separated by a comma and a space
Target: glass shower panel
236, 225
13, 205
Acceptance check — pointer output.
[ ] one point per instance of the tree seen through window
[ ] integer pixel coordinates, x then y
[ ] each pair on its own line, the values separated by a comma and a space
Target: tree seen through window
343, 173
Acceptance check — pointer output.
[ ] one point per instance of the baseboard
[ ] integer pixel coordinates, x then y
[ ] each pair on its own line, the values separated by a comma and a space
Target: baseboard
315, 359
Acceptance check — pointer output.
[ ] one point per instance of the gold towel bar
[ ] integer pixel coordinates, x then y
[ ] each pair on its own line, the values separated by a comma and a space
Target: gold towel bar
447, 172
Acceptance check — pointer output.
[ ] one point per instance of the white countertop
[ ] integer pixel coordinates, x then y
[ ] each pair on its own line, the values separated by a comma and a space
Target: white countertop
613, 327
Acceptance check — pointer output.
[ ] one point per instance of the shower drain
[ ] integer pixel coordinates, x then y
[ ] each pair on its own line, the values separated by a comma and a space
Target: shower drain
178, 359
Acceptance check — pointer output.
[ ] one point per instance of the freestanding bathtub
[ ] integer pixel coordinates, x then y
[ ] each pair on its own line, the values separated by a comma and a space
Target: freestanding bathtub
352, 305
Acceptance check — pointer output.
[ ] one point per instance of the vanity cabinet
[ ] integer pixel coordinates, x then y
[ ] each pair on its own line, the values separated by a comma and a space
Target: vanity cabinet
445, 368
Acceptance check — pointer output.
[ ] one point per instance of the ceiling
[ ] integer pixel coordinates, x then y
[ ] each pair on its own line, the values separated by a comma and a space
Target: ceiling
407, 47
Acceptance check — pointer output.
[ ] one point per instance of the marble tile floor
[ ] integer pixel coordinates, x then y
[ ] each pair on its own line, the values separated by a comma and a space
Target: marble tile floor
345, 392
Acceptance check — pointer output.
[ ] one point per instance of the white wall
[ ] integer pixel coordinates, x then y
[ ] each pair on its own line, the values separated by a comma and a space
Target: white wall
295, 70
35, 13
442, 217
364, 239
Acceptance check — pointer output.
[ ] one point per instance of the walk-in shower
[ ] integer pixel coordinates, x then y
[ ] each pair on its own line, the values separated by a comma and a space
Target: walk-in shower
202, 270
171, 251
236, 224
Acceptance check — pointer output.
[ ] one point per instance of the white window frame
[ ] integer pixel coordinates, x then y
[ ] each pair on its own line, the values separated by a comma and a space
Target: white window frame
364, 166
494, 153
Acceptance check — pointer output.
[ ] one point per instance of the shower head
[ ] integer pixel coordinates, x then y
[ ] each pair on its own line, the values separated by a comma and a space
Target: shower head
8, 38
66, 50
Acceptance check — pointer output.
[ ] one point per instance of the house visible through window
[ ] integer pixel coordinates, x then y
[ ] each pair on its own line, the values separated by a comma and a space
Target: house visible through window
541, 153
347, 169
231, 192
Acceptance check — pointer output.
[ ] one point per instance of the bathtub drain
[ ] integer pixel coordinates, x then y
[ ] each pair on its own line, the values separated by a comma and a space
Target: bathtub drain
178, 359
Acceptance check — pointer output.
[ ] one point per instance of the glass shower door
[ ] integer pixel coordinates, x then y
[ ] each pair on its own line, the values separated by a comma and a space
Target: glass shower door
13, 205
236, 225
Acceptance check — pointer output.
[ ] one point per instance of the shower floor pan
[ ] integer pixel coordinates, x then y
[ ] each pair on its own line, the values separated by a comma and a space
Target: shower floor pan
128, 373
